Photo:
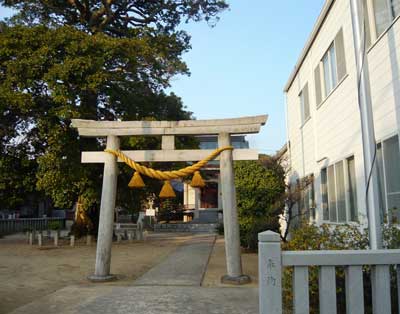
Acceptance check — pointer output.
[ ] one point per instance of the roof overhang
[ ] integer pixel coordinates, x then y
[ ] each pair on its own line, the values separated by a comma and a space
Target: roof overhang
320, 21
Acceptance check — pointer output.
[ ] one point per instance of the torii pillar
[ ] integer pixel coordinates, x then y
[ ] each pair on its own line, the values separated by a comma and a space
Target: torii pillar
231, 223
223, 128
106, 219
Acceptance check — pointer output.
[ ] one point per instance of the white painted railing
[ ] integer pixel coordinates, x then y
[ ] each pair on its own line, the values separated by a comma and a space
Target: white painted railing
272, 260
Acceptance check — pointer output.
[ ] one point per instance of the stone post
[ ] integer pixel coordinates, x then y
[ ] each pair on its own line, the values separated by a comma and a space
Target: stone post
31, 237
40, 238
231, 225
88, 239
55, 238
72, 239
106, 220
270, 273
139, 232
219, 193
197, 198
130, 236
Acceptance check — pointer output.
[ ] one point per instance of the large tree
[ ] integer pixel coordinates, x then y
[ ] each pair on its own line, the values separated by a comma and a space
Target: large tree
87, 59
116, 17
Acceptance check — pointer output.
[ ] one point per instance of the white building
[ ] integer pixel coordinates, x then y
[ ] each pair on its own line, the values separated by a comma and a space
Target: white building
323, 118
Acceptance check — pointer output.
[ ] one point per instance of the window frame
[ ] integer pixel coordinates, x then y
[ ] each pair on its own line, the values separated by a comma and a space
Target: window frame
331, 73
385, 192
346, 191
335, 77
349, 190
374, 37
324, 193
307, 192
302, 98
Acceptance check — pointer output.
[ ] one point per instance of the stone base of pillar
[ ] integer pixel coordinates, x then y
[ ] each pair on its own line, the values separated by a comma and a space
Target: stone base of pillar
107, 278
239, 280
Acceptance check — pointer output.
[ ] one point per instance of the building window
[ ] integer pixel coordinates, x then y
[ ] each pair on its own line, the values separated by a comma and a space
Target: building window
331, 70
332, 194
317, 80
340, 192
385, 11
337, 204
352, 189
388, 156
324, 192
307, 198
304, 104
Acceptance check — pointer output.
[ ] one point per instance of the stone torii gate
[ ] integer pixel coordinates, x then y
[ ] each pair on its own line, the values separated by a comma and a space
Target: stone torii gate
223, 128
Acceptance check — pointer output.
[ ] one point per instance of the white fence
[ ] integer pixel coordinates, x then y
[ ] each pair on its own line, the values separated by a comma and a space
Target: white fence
272, 260
9, 226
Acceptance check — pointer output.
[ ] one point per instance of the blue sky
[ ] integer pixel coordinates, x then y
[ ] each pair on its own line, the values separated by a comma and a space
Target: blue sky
240, 66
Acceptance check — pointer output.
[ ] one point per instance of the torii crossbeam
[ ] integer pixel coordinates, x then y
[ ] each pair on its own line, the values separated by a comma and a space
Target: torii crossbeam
223, 128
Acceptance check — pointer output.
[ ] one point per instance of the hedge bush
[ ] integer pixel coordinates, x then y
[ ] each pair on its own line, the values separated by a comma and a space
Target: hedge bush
343, 237
259, 185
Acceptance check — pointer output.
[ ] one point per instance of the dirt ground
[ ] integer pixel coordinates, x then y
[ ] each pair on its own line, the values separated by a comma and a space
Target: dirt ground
217, 266
27, 272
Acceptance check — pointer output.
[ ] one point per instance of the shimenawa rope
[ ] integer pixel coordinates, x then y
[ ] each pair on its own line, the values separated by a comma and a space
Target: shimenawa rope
167, 175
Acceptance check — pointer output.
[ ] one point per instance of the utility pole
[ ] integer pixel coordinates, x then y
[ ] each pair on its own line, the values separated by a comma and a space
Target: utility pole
367, 126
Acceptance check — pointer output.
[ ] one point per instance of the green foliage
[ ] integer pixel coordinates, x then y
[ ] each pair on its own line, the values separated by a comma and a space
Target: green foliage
170, 210
391, 236
54, 225
328, 237
79, 230
259, 185
86, 63
116, 18
17, 178
148, 223
251, 226
220, 228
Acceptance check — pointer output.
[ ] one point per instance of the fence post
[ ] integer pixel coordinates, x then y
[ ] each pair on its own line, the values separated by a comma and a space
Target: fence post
398, 286
88, 239
139, 233
270, 273
56, 238
31, 237
130, 236
380, 280
40, 239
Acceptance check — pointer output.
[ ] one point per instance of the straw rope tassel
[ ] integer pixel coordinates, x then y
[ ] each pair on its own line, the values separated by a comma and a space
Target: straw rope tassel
197, 180
167, 190
136, 181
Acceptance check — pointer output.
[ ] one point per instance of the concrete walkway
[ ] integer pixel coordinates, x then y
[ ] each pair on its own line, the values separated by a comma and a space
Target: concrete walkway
185, 267
171, 287
145, 300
